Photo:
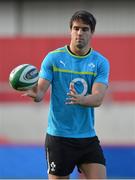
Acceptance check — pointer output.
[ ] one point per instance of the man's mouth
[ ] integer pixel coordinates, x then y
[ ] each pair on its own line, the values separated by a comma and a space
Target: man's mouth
79, 39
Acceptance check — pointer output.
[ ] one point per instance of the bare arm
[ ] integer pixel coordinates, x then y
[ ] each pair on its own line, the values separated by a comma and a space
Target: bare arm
37, 93
95, 99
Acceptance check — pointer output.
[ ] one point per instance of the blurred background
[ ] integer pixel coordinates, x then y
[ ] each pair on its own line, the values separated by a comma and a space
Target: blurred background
28, 31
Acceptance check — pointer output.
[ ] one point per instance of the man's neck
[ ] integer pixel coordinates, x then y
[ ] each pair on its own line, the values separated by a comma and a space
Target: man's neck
79, 52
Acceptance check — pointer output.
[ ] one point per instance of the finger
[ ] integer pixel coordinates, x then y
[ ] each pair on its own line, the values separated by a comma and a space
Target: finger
71, 102
71, 94
71, 88
71, 99
24, 94
30, 95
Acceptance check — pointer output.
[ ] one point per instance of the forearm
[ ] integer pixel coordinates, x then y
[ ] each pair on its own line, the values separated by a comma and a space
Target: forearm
42, 87
94, 100
39, 96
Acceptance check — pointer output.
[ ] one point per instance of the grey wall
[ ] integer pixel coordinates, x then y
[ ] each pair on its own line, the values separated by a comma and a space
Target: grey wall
52, 17
115, 123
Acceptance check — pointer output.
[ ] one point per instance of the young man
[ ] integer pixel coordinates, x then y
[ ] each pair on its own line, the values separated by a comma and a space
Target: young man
79, 78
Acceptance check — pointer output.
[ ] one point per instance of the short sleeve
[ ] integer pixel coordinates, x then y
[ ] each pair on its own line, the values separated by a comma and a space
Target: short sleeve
46, 70
103, 71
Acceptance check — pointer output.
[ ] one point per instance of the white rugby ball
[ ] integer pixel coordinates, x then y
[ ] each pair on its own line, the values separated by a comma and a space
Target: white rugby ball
23, 77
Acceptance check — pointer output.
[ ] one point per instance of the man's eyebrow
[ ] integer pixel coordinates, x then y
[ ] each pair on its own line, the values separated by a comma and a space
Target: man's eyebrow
76, 26
81, 27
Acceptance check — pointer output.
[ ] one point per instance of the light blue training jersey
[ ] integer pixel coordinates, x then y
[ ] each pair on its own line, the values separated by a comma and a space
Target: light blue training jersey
61, 67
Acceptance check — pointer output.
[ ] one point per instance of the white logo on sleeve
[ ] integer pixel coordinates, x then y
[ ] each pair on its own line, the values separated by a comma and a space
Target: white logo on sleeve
52, 166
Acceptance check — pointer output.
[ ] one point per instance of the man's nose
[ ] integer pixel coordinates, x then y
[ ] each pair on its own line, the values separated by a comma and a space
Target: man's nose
80, 31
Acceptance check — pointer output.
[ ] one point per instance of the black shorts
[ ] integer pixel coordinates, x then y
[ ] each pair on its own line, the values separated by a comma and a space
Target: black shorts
63, 154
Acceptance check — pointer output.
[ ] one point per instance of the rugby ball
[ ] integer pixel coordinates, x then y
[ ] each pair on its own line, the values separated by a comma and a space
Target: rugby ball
23, 77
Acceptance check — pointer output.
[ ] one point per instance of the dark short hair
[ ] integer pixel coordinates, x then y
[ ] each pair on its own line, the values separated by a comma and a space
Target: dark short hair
86, 17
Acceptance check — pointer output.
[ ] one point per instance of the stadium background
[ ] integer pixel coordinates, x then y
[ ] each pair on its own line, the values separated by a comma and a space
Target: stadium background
28, 31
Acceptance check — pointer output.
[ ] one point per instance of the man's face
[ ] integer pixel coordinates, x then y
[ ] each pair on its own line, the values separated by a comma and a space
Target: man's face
80, 34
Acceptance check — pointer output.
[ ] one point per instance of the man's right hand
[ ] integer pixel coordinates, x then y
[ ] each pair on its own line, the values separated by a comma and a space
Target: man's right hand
31, 92
37, 92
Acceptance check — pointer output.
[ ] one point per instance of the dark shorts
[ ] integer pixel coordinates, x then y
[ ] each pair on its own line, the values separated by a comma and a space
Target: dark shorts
63, 154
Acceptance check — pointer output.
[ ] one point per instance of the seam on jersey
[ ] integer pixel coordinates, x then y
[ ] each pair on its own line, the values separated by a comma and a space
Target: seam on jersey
80, 57
56, 69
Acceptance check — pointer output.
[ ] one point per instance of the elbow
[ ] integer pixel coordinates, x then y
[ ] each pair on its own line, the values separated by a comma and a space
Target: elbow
98, 103
38, 99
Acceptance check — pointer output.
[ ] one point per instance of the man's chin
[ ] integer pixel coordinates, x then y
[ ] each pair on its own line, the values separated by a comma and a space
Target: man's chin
79, 46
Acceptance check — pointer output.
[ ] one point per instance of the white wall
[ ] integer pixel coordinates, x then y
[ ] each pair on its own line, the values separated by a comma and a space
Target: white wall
52, 17
7, 18
115, 123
